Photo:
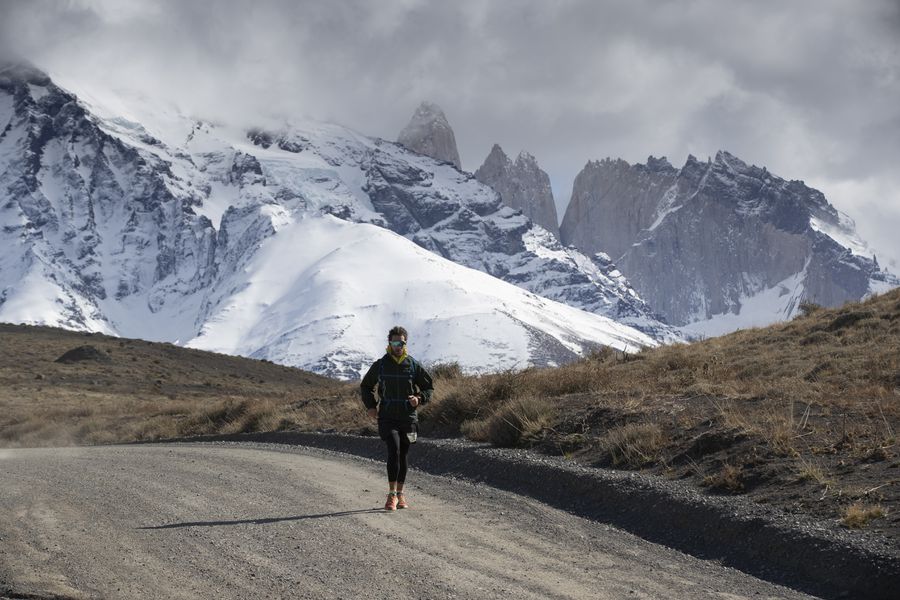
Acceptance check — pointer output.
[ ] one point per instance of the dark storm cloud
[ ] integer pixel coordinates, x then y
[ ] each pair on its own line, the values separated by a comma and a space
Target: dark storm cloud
809, 88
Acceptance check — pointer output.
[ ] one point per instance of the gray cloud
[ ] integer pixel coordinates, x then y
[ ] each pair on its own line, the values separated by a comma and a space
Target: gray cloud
810, 89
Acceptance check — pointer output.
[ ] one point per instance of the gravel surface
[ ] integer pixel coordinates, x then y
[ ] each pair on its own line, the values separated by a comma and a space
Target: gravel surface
244, 520
817, 557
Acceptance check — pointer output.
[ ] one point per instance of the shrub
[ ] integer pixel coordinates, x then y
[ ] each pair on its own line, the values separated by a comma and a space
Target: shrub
502, 386
219, 417
582, 377
453, 403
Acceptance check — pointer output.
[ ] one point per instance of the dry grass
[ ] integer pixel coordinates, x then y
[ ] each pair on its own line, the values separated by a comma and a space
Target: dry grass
831, 368
149, 391
810, 470
634, 445
728, 478
514, 423
860, 515
794, 414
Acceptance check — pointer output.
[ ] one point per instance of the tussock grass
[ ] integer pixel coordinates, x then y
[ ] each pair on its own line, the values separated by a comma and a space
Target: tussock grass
634, 445
840, 365
860, 515
809, 407
729, 478
451, 370
516, 421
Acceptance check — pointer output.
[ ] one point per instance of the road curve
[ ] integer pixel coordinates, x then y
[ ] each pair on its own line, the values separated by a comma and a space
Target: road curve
250, 520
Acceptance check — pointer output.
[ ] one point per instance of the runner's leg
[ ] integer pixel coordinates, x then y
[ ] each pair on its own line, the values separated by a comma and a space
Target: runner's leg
393, 440
403, 450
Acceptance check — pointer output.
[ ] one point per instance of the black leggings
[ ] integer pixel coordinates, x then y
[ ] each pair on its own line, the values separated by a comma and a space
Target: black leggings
398, 447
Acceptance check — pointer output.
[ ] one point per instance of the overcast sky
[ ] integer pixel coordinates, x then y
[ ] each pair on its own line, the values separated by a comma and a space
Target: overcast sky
808, 88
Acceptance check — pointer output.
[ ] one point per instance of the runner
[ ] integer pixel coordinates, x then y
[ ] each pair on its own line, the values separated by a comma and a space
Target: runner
402, 385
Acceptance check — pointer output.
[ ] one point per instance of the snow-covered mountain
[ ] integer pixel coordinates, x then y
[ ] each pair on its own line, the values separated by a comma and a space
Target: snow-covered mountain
302, 245
446, 211
720, 245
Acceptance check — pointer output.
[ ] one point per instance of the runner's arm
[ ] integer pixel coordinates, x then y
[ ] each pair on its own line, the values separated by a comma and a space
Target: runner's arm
367, 387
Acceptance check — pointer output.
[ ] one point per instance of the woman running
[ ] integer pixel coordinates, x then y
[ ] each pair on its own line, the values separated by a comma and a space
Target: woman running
402, 385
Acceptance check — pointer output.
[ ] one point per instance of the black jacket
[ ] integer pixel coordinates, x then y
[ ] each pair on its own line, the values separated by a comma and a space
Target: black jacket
395, 382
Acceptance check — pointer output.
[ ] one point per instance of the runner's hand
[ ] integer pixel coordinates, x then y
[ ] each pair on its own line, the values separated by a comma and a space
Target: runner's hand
413, 401
373, 413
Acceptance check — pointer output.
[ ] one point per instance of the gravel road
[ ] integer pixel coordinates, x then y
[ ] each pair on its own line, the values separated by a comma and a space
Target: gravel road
252, 520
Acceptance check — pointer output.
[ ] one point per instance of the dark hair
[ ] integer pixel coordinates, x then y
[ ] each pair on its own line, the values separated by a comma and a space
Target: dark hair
397, 330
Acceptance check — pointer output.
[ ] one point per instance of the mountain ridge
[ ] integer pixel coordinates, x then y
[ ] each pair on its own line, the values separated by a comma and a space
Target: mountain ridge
147, 230
705, 240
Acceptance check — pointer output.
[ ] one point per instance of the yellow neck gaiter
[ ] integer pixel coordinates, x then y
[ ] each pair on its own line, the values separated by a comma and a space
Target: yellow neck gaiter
397, 359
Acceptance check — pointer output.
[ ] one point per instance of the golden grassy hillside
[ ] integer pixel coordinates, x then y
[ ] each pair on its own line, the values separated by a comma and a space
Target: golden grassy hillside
136, 390
802, 414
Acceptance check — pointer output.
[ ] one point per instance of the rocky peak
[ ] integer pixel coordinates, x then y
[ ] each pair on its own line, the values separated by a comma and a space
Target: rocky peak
428, 132
521, 184
700, 241
659, 165
497, 159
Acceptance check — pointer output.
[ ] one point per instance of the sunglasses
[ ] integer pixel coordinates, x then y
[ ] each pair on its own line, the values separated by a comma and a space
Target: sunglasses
398, 344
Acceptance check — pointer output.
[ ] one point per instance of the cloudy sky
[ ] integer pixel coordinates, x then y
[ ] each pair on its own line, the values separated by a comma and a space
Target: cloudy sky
808, 88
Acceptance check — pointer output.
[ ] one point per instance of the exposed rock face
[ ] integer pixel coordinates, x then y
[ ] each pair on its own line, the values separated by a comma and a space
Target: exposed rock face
522, 185
715, 236
612, 202
429, 133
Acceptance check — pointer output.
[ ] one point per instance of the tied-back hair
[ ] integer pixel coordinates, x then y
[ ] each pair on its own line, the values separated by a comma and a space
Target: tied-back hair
397, 330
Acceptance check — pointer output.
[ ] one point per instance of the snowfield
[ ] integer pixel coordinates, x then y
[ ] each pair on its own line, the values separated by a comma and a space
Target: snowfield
323, 293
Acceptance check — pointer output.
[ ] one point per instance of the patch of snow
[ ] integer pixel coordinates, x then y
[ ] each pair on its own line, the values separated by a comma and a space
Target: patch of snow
666, 206
50, 185
879, 287
771, 305
843, 234
37, 92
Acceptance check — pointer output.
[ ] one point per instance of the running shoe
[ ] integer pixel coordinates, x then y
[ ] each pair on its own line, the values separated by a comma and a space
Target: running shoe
391, 503
401, 501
